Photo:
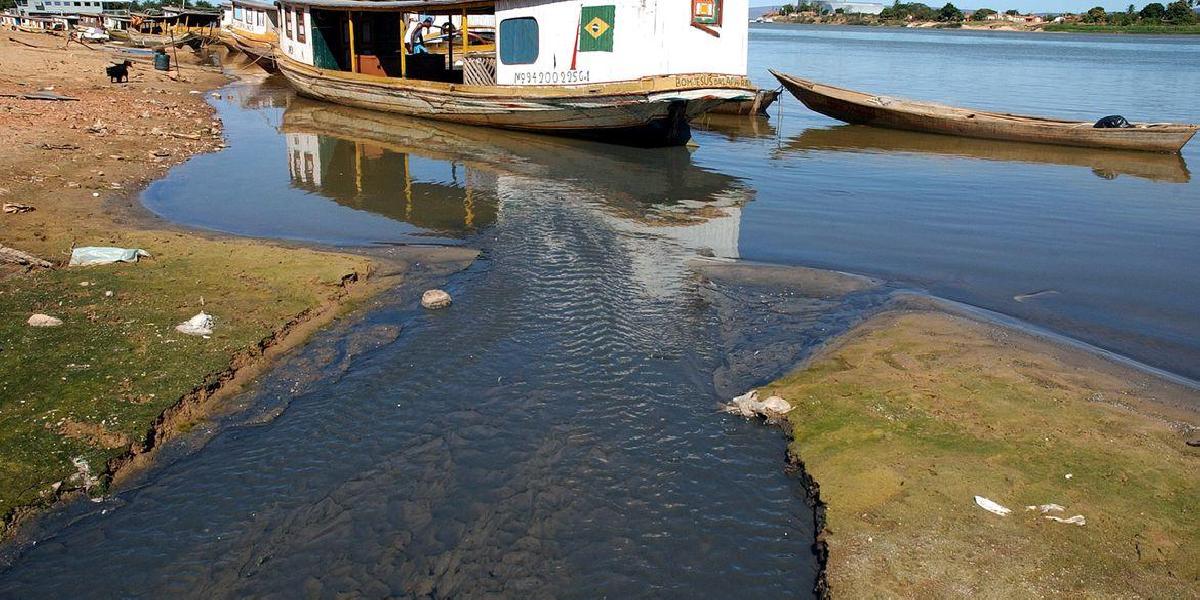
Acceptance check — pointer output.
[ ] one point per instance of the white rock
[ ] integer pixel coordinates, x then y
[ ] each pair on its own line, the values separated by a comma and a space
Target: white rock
777, 404
200, 324
435, 299
40, 320
748, 405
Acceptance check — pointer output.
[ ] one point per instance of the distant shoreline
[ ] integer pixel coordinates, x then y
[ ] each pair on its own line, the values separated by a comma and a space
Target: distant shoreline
857, 21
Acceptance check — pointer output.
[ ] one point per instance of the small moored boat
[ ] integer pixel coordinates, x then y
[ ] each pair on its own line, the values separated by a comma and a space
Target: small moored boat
881, 111
627, 71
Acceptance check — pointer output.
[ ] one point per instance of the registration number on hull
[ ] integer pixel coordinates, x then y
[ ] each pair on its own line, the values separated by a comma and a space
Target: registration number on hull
551, 77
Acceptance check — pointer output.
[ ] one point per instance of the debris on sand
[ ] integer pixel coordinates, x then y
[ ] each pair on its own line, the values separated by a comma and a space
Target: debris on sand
435, 299
991, 507
200, 324
1075, 520
13, 208
40, 320
1045, 508
18, 257
748, 405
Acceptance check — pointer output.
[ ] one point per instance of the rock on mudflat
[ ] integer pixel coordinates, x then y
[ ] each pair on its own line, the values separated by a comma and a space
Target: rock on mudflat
40, 320
435, 299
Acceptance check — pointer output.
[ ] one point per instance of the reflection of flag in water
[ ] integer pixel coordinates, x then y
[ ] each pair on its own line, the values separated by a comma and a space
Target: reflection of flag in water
596, 28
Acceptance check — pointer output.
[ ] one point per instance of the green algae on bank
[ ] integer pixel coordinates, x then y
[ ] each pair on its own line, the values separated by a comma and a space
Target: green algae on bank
95, 387
913, 414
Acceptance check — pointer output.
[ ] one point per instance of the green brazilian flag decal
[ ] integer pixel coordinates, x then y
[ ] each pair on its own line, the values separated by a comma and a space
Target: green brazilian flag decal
596, 28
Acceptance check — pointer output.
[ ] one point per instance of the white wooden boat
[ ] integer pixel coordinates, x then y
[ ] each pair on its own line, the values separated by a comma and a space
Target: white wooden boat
558, 66
251, 27
880, 111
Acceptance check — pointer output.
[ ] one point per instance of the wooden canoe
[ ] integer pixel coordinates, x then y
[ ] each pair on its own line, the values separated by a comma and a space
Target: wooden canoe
653, 111
758, 105
881, 111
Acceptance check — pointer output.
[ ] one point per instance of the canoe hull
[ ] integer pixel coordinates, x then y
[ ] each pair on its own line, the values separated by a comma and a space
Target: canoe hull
862, 109
625, 115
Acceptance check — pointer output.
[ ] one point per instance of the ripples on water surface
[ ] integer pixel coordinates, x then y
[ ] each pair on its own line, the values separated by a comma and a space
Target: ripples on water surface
553, 434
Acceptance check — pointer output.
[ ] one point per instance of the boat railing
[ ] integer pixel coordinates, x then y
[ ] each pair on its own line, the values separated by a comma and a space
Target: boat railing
479, 69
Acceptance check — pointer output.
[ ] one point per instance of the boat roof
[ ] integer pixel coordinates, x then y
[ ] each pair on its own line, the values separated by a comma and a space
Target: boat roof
268, 4
423, 6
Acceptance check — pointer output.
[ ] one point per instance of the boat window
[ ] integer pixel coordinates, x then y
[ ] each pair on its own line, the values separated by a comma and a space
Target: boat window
519, 41
300, 26
287, 21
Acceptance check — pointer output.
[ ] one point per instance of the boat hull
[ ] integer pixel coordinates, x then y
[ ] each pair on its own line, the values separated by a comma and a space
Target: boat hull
864, 109
755, 106
259, 48
618, 113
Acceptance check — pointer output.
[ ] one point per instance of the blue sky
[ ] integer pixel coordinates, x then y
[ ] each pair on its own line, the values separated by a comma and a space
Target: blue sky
1040, 6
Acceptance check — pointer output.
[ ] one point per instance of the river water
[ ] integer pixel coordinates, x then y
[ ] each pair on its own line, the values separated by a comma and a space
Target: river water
553, 434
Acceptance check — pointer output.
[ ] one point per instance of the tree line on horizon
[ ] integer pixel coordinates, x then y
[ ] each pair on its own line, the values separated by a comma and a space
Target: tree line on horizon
1179, 12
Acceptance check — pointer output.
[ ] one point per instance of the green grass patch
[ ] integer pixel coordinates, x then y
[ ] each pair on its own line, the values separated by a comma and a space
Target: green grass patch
914, 414
94, 386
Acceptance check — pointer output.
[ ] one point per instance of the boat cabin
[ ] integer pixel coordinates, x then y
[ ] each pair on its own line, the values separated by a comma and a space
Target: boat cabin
524, 42
255, 17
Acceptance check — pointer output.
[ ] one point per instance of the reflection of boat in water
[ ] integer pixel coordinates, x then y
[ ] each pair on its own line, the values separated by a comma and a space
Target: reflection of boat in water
894, 113
736, 126
1104, 163
374, 177
649, 177
652, 191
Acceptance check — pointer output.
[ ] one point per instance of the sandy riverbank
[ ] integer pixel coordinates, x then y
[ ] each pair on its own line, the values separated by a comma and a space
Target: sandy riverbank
116, 380
904, 420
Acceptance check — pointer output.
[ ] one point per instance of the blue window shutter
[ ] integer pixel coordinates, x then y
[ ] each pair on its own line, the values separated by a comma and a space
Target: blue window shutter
519, 41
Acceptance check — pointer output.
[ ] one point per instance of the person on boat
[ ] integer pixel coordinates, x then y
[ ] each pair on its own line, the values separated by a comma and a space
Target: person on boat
417, 39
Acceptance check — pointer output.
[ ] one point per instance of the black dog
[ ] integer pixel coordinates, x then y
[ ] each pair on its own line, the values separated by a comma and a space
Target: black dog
118, 73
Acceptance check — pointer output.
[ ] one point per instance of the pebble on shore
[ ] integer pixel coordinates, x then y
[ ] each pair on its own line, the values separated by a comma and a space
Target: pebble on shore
40, 320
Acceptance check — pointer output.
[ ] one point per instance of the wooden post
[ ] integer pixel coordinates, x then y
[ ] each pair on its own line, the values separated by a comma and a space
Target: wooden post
464, 33
353, 58
403, 48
